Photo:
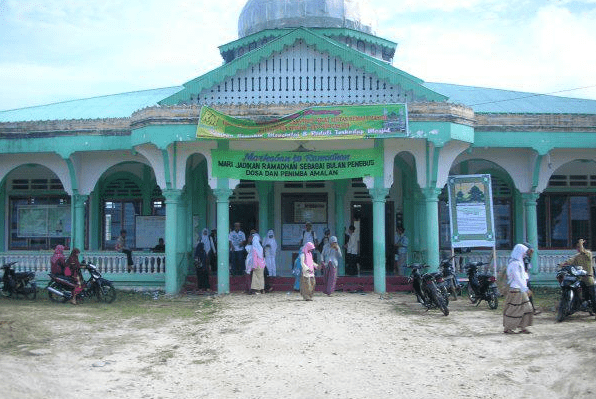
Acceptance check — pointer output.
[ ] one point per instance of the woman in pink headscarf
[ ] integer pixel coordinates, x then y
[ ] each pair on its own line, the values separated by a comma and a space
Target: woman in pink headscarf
58, 260
307, 281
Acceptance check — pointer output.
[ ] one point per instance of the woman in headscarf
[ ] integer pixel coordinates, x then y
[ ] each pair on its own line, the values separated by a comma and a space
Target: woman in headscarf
207, 246
331, 254
57, 262
517, 311
257, 263
201, 267
307, 281
72, 269
270, 248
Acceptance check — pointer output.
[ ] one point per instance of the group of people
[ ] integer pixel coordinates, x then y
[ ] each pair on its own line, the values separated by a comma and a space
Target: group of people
519, 310
69, 267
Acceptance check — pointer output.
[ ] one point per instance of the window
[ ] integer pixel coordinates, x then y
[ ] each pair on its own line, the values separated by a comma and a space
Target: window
565, 218
120, 215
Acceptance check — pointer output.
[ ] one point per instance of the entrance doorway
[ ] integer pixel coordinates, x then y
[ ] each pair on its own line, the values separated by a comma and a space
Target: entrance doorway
247, 213
363, 211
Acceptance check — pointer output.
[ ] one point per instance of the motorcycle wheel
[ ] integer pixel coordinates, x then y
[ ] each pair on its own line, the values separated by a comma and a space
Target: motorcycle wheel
53, 297
472, 294
564, 305
106, 293
440, 301
31, 292
493, 300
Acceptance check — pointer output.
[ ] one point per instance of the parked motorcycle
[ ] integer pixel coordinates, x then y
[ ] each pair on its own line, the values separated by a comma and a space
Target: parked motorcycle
572, 295
448, 273
427, 288
60, 287
18, 283
482, 287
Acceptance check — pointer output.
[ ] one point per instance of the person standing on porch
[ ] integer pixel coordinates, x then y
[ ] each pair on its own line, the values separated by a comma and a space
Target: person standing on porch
122, 247
330, 257
270, 248
237, 242
201, 267
309, 235
352, 250
517, 311
401, 250
213, 242
307, 281
205, 239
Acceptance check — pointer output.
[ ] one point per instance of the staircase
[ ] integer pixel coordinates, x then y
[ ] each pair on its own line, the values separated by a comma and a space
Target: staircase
284, 284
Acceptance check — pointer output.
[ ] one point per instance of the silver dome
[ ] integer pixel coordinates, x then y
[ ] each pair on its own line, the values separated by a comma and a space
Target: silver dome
258, 15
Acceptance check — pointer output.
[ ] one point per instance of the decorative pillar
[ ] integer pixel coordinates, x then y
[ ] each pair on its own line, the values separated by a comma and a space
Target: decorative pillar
3, 227
223, 246
341, 187
95, 222
172, 199
264, 188
532, 226
431, 197
78, 223
379, 259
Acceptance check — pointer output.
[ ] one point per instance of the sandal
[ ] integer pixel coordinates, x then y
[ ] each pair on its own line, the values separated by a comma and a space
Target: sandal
509, 332
524, 331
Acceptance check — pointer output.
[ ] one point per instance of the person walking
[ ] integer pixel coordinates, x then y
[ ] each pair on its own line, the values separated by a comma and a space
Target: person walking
307, 281
517, 310
330, 257
257, 263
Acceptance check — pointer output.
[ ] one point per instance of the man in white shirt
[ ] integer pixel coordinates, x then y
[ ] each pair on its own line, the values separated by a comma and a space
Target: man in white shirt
237, 240
352, 247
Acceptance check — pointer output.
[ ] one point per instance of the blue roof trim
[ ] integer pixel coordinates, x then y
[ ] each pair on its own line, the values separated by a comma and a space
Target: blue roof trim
111, 106
497, 101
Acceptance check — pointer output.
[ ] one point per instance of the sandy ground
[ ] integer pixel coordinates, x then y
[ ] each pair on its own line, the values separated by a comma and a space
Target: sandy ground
344, 346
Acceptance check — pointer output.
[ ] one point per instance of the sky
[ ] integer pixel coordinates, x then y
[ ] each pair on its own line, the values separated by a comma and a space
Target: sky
60, 50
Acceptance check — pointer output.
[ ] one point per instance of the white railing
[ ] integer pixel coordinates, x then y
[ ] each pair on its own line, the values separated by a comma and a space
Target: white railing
548, 260
107, 262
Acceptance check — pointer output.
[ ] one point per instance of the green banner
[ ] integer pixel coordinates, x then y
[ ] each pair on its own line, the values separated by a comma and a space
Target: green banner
330, 165
346, 122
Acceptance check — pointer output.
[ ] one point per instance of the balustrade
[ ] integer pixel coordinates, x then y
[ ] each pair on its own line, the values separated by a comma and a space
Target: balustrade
107, 262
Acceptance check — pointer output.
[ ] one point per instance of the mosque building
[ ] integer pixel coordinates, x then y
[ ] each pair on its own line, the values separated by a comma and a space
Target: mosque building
307, 119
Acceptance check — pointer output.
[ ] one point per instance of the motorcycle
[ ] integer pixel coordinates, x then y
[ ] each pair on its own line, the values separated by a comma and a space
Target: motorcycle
427, 288
482, 287
60, 287
448, 273
572, 299
18, 283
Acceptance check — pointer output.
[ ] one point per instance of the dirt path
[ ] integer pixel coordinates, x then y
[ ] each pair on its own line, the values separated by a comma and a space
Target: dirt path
278, 346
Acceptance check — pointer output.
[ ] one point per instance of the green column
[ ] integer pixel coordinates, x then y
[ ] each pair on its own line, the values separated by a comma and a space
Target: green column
223, 247
431, 197
341, 187
264, 188
378, 197
172, 199
95, 222
518, 221
532, 226
2, 217
78, 223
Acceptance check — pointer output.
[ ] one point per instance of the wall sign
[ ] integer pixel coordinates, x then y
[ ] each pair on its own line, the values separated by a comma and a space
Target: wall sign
339, 122
298, 166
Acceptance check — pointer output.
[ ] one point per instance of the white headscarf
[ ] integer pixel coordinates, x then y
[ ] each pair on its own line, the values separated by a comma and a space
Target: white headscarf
256, 245
518, 252
270, 240
205, 240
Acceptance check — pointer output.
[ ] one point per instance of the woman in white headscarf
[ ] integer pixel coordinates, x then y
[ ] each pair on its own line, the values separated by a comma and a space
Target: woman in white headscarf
517, 311
331, 254
207, 247
270, 248
257, 263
